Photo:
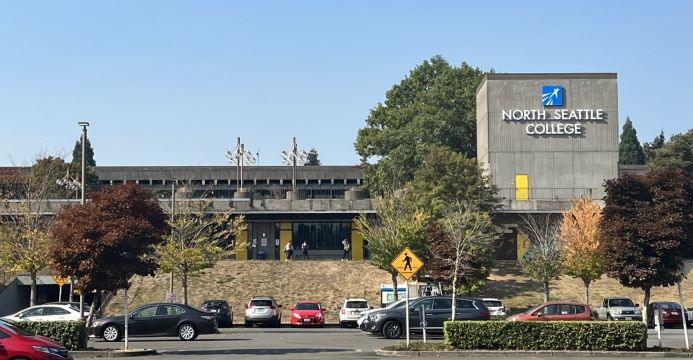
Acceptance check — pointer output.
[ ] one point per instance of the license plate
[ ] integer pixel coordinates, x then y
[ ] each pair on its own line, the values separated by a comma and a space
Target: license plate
260, 310
629, 318
355, 313
306, 320
674, 313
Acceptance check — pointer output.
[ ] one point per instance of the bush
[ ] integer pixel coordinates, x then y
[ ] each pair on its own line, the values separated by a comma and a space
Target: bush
71, 334
546, 335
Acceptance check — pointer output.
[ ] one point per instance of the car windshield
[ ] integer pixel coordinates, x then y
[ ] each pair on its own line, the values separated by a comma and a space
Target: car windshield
307, 306
13, 329
492, 303
214, 304
356, 305
621, 302
672, 306
260, 302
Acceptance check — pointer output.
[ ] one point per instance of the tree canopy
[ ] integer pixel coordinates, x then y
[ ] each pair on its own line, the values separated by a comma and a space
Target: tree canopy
313, 158
76, 163
646, 229
651, 147
434, 105
629, 149
676, 154
109, 239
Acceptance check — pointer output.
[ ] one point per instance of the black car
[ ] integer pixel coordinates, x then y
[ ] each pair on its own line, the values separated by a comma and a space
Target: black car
437, 309
157, 320
222, 309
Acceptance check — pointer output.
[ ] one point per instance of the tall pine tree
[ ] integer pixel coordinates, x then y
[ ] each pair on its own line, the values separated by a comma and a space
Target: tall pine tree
629, 150
651, 148
313, 158
76, 164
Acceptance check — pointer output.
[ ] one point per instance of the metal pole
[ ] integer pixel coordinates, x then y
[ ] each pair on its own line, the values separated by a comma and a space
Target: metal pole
238, 163
173, 214
406, 328
683, 316
127, 316
60, 294
294, 150
241, 156
84, 125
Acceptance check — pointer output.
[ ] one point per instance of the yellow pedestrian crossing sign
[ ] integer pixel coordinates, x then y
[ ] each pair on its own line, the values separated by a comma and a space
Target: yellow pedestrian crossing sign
407, 263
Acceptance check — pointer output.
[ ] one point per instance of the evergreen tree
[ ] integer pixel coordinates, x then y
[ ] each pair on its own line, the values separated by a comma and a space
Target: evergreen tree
629, 150
313, 158
77, 153
651, 148
676, 154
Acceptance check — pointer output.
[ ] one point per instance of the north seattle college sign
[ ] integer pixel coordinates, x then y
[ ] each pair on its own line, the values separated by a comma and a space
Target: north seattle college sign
556, 121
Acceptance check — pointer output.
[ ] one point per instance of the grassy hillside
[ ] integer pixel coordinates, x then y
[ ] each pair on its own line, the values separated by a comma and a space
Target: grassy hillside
332, 281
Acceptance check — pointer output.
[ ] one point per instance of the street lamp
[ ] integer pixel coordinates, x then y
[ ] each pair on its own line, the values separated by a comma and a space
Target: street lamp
70, 183
84, 126
240, 156
292, 157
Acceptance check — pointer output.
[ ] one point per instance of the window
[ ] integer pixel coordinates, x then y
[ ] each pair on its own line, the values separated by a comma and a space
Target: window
322, 235
442, 304
168, 310
492, 303
356, 304
307, 306
550, 309
465, 304
145, 312
3, 335
37, 311
260, 303
51, 310
427, 304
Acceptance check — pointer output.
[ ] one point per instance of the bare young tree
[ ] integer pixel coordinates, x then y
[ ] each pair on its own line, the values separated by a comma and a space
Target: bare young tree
26, 221
471, 234
542, 262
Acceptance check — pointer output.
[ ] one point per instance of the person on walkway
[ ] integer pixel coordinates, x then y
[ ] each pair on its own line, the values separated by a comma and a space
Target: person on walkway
289, 250
347, 247
304, 250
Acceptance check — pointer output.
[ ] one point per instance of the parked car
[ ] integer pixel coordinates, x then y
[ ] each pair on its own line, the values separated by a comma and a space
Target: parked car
46, 312
308, 313
351, 311
263, 310
671, 313
164, 319
74, 304
222, 309
16, 343
437, 309
494, 306
363, 323
619, 308
563, 311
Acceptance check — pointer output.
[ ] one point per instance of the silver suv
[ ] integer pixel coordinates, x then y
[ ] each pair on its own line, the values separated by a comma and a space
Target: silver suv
263, 310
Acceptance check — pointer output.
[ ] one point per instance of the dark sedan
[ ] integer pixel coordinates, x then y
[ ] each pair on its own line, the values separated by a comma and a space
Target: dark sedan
222, 309
157, 320
437, 309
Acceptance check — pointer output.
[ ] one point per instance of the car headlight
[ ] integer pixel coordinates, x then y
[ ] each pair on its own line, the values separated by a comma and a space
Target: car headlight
318, 315
47, 349
377, 317
638, 312
617, 312
296, 315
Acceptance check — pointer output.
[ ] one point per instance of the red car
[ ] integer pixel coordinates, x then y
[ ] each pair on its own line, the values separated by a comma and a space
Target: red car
19, 344
308, 313
671, 313
557, 311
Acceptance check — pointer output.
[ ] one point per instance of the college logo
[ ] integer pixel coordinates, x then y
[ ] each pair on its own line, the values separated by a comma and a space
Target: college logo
552, 95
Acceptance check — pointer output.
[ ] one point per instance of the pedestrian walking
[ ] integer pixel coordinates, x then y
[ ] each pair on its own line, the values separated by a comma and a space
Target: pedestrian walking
304, 250
289, 250
347, 248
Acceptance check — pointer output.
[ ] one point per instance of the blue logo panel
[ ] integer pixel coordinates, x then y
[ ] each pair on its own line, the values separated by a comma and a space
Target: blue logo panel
552, 95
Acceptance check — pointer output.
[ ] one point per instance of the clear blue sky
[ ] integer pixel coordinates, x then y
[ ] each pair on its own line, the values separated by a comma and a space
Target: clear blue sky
175, 82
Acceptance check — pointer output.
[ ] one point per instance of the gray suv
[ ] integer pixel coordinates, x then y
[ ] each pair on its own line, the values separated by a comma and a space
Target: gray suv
437, 309
263, 310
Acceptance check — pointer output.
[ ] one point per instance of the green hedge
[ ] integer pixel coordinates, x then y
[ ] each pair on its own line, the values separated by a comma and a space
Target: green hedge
71, 334
546, 335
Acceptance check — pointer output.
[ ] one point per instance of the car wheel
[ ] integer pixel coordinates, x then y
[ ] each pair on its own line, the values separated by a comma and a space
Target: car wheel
608, 317
111, 333
248, 324
277, 323
187, 332
392, 330
342, 324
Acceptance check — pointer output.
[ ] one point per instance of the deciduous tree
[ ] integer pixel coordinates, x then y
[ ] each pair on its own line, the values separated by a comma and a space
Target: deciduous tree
629, 149
395, 226
197, 239
580, 242
26, 221
110, 238
542, 262
470, 234
646, 229
434, 104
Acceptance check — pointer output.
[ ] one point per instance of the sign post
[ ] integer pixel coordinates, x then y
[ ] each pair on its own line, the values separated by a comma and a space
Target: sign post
407, 264
60, 280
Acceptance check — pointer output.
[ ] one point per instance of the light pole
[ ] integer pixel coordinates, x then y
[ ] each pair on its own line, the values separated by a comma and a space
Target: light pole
292, 157
240, 156
84, 126
170, 298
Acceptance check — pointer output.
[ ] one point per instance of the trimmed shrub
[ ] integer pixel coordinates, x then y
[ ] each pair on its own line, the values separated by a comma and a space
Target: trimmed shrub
546, 335
71, 334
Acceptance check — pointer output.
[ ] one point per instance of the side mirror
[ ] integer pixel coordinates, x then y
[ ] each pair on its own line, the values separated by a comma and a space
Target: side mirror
21, 316
539, 314
131, 316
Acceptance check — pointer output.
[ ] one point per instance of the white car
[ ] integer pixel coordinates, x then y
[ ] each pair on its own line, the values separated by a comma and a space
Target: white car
351, 311
495, 306
46, 312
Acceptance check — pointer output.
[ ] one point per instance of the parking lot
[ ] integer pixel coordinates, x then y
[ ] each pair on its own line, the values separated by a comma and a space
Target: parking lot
294, 343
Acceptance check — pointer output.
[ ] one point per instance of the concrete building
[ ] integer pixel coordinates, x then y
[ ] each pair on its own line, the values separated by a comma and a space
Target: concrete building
545, 138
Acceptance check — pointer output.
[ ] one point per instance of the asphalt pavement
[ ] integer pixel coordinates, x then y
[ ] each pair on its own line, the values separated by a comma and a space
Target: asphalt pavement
298, 343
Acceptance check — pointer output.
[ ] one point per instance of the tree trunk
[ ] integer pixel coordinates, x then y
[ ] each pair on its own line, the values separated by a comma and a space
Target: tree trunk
587, 282
184, 281
107, 297
546, 291
32, 295
394, 285
645, 304
454, 293
95, 305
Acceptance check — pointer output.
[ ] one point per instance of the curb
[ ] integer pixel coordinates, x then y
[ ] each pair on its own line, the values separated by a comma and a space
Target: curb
111, 353
544, 353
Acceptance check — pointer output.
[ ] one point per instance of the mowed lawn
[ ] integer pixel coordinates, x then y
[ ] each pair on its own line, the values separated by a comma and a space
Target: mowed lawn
330, 282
